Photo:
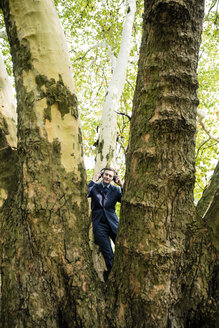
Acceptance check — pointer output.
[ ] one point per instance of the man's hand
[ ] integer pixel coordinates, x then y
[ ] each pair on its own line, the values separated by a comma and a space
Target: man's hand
119, 181
97, 177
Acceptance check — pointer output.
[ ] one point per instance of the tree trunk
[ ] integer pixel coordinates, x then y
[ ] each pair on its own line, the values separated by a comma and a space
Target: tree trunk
7, 107
106, 151
8, 133
47, 280
157, 206
164, 272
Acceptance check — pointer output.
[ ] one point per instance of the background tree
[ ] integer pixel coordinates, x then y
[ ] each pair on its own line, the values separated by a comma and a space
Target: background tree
208, 77
8, 132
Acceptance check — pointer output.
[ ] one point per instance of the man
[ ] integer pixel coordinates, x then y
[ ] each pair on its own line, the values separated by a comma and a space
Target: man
104, 197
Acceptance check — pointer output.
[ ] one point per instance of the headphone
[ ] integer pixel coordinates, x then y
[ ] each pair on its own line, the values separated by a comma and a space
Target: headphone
108, 168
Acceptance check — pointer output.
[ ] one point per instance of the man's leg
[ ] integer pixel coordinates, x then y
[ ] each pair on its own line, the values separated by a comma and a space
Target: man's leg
101, 235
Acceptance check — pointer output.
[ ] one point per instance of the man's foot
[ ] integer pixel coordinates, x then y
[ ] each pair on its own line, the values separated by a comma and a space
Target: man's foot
105, 275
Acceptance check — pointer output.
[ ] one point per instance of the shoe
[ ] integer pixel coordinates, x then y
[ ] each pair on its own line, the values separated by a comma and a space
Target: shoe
105, 275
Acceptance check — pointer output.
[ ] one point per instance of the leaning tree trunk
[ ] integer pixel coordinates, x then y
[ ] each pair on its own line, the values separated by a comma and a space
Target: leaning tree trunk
157, 206
47, 281
106, 150
8, 143
7, 107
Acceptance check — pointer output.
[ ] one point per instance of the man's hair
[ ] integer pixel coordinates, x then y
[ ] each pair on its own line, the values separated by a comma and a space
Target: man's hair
109, 169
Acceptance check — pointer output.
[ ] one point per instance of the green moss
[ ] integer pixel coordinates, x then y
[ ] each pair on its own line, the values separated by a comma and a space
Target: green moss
4, 125
41, 80
109, 156
100, 148
56, 92
47, 114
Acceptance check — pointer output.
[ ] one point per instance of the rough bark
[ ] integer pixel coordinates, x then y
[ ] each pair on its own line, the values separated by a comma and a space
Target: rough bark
47, 279
157, 207
164, 273
202, 294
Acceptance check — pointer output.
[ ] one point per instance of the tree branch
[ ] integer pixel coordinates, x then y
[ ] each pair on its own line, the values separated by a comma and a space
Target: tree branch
207, 205
214, 2
201, 117
129, 117
103, 45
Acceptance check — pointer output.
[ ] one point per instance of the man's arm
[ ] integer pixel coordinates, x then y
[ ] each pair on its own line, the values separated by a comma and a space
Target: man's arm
96, 177
120, 184
92, 183
119, 181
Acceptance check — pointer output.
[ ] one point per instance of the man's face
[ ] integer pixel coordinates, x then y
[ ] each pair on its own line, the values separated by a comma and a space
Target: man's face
108, 177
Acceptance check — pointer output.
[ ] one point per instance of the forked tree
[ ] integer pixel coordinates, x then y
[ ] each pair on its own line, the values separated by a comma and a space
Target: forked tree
165, 258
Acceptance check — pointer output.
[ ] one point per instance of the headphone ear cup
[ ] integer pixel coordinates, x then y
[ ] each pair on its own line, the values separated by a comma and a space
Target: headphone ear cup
101, 172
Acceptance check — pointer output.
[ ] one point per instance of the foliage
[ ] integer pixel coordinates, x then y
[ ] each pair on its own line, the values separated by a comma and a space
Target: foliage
94, 29
4, 45
208, 75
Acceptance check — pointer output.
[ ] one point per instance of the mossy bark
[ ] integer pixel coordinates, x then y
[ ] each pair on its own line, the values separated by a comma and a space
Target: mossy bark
157, 207
47, 276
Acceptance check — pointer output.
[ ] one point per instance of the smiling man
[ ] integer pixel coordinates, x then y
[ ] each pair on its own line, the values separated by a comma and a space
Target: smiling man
104, 197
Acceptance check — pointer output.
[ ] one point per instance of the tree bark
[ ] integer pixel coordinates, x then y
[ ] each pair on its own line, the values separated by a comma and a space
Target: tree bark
47, 279
202, 294
164, 272
157, 205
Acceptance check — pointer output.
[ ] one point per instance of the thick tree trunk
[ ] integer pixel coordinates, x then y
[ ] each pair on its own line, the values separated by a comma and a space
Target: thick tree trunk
157, 205
164, 269
47, 280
